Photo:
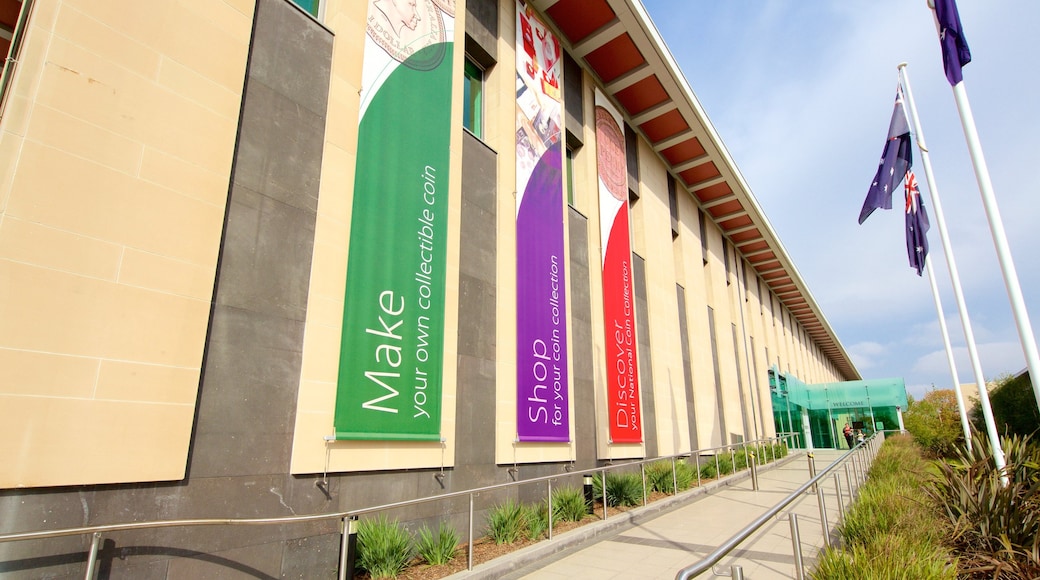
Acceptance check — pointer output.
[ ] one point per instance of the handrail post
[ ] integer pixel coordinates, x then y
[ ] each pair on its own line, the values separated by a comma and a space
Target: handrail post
642, 477
675, 479
848, 481
603, 480
698, 461
754, 473
348, 547
469, 550
841, 502
823, 516
812, 467
95, 542
796, 544
548, 484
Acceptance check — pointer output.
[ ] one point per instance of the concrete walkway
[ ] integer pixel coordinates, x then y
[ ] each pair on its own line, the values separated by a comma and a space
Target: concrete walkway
658, 540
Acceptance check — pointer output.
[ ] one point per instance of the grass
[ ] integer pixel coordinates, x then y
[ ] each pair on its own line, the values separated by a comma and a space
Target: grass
891, 532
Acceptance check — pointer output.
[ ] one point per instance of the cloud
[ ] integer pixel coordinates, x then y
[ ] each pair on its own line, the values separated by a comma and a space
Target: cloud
801, 94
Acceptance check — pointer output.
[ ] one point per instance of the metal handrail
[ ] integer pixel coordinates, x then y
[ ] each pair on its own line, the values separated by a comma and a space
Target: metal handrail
734, 541
345, 516
20, 536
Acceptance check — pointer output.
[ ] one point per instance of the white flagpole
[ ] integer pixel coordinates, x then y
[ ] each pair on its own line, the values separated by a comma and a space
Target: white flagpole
996, 227
969, 335
949, 351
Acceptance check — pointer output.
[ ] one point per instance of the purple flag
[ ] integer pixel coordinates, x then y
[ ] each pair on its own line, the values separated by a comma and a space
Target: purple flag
916, 224
895, 162
955, 50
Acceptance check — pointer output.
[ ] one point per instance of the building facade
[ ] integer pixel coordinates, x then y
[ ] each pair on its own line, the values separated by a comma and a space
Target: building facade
264, 258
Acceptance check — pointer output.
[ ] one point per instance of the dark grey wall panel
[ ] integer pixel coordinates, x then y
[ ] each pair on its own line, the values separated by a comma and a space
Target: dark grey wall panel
475, 388
482, 31
583, 362
684, 341
646, 375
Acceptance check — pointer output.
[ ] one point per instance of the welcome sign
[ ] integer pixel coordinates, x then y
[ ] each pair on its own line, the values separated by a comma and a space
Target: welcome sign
391, 354
618, 299
543, 410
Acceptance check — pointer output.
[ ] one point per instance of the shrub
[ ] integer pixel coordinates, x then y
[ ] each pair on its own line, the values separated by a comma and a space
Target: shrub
384, 547
659, 476
935, 422
996, 526
437, 548
507, 522
569, 504
741, 460
725, 463
623, 489
536, 517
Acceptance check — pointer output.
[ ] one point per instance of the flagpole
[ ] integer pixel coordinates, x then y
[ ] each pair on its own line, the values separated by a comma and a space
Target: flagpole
969, 335
955, 55
949, 353
996, 226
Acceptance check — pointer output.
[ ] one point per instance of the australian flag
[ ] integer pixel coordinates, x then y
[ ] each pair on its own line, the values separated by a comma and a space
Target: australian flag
895, 162
916, 224
955, 50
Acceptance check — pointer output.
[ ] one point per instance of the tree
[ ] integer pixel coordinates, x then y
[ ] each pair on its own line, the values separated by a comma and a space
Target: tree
935, 422
1013, 404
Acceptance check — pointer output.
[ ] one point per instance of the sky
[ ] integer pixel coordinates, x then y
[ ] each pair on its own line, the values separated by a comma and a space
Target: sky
801, 93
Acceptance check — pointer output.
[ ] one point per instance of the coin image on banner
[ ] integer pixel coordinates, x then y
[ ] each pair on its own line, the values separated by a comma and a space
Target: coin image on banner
610, 152
403, 28
448, 6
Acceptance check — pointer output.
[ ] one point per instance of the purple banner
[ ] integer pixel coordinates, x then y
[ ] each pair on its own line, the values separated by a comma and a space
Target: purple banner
543, 411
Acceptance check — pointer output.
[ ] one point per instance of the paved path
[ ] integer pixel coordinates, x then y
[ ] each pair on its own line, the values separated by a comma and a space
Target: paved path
658, 545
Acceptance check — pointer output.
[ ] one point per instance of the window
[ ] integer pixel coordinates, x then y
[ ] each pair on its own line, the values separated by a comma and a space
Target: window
725, 258
13, 20
473, 99
702, 222
312, 7
632, 161
673, 205
570, 176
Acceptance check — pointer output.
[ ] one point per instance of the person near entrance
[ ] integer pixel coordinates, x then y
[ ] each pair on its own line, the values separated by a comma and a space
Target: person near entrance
847, 431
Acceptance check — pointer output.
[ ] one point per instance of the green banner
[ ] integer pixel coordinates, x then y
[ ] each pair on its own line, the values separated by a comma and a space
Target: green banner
392, 349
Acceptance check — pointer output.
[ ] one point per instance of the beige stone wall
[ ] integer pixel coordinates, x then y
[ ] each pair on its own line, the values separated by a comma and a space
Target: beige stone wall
116, 147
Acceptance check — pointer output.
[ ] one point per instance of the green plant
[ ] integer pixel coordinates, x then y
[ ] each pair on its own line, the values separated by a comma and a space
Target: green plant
507, 522
892, 558
568, 504
725, 463
891, 531
437, 548
623, 489
741, 460
1013, 405
383, 547
996, 524
537, 518
659, 476
935, 423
